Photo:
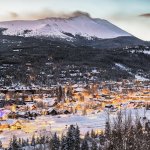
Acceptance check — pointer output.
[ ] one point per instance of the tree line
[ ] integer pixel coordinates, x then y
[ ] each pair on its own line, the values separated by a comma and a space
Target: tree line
120, 134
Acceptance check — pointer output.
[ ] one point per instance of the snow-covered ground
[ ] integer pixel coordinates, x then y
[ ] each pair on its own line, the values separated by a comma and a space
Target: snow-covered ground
146, 52
138, 77
141, 51
122, 67
50, 124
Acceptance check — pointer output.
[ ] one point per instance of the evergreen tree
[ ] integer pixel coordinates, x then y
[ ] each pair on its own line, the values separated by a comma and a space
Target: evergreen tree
64, 143
87, 135
14, 144
131, 139
27, 142
10, 145
24, 143
139, 128
93, 135
94, 145
55, 142
33, 141
71, 138
47, 139
84, 145
20, 142
77, 139
69, 92
59, 93
100, 147
42, 139
38, 140
107, 130
1, 146
147, 129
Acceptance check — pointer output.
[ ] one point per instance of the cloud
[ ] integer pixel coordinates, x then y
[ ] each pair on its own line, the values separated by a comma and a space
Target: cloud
13, 15
147, 15
46, 13
80, 13
51, 14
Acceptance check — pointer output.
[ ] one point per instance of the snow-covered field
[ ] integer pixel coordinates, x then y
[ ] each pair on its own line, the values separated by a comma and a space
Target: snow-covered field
50, 124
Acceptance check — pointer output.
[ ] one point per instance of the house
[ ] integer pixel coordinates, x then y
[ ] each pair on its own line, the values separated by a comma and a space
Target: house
45, 112
14, 124
4, 114
4, 125
49, 101
31, 106
66, 112
22, 114
10, 124
52, 111
12, 115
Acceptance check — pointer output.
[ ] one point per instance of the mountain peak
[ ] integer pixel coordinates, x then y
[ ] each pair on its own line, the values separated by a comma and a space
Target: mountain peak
81, 16
78, 24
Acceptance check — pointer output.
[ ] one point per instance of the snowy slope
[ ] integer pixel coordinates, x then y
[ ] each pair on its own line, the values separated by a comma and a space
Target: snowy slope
55, 27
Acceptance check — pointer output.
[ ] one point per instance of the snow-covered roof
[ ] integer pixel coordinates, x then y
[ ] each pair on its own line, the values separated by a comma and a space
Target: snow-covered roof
9, 122
79, 89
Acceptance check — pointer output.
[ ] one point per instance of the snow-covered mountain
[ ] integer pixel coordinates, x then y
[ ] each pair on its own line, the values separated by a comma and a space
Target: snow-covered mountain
64, 28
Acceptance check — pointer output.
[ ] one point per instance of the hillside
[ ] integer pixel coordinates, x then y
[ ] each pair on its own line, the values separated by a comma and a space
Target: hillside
78, 49
46, 60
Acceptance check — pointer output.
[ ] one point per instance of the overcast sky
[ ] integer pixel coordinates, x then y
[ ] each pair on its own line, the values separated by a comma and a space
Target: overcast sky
131, 15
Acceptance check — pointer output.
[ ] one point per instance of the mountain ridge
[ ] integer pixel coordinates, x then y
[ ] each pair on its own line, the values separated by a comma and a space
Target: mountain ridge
55, 27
